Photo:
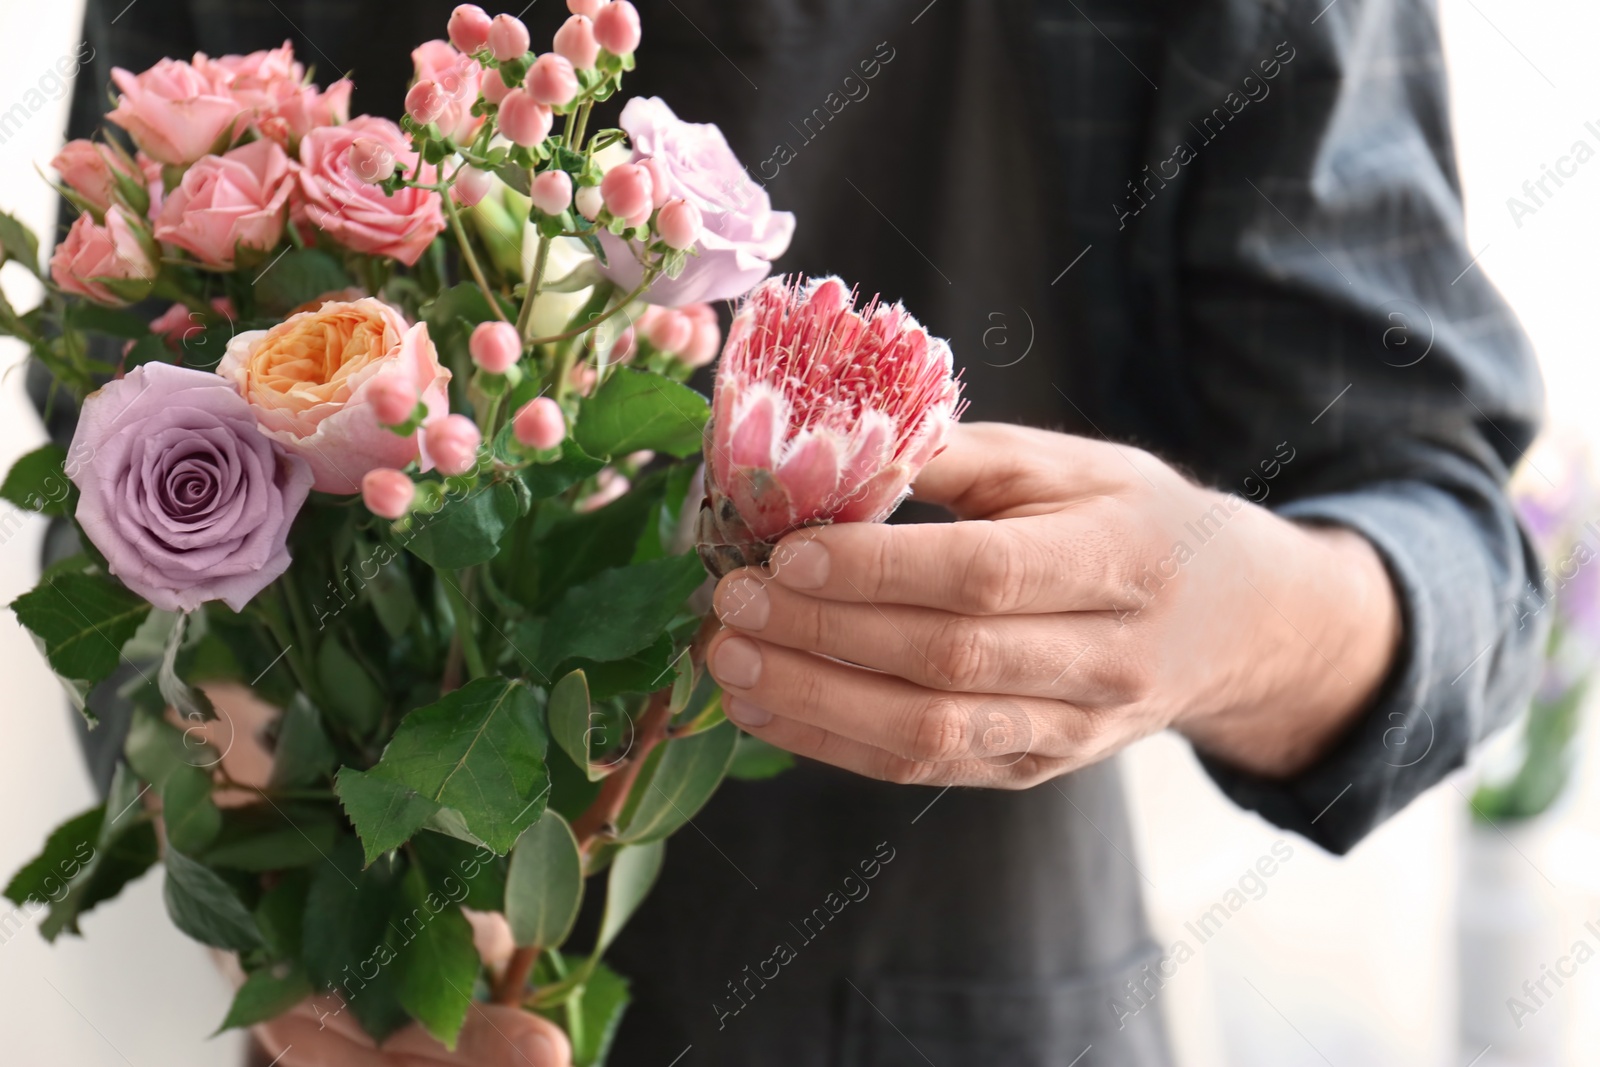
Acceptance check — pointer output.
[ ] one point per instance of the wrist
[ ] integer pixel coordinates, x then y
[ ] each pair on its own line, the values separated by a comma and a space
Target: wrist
1326, 626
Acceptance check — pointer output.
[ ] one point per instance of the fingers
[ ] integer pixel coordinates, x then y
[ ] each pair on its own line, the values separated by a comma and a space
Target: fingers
494, 1036
884, 711
992, 470
1061, 562
1051, 656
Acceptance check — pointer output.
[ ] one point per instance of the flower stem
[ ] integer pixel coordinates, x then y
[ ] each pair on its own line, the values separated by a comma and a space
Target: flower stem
649, 276
455, 591
470, 257
525, 318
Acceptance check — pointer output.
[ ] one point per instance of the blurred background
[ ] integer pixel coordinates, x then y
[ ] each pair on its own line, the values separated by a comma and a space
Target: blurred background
1406, 952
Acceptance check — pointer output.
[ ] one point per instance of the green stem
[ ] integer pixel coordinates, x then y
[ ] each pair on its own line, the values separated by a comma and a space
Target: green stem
650, 275
287, 643
525, 317
455, 592
470, 258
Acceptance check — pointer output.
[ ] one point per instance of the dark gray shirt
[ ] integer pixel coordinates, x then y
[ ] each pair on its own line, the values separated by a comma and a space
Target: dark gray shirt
1227, 230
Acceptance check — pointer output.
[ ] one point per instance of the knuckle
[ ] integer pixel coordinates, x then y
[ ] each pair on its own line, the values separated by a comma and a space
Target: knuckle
965, 652
808, 692
990, 579
942, 732
902, 771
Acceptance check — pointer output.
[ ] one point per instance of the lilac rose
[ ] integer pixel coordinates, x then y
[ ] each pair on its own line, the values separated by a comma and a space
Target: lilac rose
742, 235
183, 495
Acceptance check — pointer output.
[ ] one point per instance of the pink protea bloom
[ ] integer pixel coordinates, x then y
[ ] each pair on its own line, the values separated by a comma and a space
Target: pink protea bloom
821, 414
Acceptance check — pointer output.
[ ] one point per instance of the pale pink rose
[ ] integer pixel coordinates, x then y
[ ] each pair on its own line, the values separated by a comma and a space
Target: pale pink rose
90, 169
310, 381
92, 252
360, 216
283, 105
174, 111
150, 171
457, 76
230, 202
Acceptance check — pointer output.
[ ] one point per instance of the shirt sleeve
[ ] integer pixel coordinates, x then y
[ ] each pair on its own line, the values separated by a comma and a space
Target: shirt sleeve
1334, 311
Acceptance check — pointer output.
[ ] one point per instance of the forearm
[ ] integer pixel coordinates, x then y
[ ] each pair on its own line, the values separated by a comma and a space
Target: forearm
1325, 623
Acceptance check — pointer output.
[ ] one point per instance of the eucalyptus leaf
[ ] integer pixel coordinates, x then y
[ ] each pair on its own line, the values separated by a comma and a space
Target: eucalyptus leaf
690, 770
633, 872
544, 883
570, 721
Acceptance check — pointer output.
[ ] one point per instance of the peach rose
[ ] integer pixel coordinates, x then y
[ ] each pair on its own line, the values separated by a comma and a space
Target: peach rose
359, 216
92, 253
228, 203
308, 379
175, 111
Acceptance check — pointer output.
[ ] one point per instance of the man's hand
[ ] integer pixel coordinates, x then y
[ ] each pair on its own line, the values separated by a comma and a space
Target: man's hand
1097, 597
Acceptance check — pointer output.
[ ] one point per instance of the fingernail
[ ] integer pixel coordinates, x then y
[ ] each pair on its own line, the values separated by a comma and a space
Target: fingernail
802, 565
540, 1051
743, 602
737, 663
745, 713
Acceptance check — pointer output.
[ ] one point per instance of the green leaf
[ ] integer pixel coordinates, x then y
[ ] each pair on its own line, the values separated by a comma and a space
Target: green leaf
18, 243
755, 759
267, 994
273, 836
643, 672
83, 620
38, 482
620, 611
598, 1009
191, 704
545, 480
568, 713
632, 874
110, 321
148, 349
45, 878
635, 410
479, 750
355, 701
544, 884
303, 755
156, 749
385, 812
281, 914
438, 965
205, 907
690, 770
188, 812
346, 940
468, 874
296, 277
578, 547
467, 530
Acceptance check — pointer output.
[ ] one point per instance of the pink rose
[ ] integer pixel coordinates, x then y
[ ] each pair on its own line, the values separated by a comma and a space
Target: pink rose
90, 169
179, 323
457, 76
272, 85
310, 381
229, 202
92, 253
360, 216
174, 111
741, 234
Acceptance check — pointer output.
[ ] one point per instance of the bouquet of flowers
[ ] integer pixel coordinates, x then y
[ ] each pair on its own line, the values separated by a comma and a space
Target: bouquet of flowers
409, 454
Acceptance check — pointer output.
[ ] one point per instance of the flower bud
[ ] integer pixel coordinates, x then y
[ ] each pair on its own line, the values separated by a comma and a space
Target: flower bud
387, 492
471, 185
371, 160
508, 38
707, 340
679, 224
588, 200
660, 188
469, 28
493, 87
523, 119
540, 423
586, 8
626, 189
551, 80
616, 27
625, 346
452, 443
495, 346
394, 398
671, 331
575, 40
425, 102
551, 191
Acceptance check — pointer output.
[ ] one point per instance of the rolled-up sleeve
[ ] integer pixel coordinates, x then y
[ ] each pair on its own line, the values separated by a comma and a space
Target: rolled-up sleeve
1327, 299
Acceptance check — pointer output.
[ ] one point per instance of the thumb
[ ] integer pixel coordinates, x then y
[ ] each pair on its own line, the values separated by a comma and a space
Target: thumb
990, 470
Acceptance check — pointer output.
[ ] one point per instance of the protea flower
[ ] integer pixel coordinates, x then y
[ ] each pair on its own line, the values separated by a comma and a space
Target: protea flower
821, 414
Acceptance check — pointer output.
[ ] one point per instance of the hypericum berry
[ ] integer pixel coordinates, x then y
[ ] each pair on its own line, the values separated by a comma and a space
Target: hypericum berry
386, 492
589, 201
540, 424
471, 185
679, 223
551, 80
394, 398
469, 28
670, 331
452, 443
575, 40
551, 191
425, 102
587, 8
523, 119
371, 160
495, 346
616, 27
493, 87
660, 187
508, 38
707, 340
627, 190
